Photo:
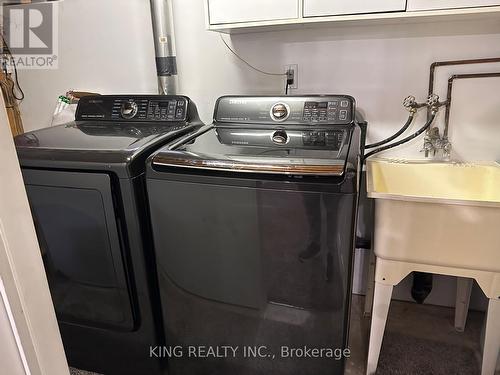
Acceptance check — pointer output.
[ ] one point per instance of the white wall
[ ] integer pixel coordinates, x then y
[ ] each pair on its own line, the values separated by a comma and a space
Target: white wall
378, 65
106, 46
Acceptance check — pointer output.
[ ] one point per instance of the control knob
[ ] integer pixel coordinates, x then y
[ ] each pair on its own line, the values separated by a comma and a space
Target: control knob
280, 112
129, 109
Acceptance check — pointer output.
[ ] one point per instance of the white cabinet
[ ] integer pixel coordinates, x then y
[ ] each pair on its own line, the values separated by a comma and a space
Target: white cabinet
315, 8
234, 11
241, 16
448, 4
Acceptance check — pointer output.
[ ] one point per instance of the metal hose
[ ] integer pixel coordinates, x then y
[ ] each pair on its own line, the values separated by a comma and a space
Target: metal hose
404, 140
411, 117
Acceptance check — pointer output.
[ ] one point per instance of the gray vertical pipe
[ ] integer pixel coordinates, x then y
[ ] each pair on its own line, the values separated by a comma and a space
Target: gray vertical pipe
164, 39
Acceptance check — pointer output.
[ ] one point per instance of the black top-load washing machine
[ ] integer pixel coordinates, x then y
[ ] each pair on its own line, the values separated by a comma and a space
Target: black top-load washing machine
86, 187
253, 224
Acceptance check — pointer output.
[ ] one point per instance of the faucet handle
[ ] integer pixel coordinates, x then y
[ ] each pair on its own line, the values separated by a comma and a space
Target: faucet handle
410, 102
433, 100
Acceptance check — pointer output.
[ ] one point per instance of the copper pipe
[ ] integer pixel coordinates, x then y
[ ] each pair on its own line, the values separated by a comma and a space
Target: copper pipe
450, 91
437, 64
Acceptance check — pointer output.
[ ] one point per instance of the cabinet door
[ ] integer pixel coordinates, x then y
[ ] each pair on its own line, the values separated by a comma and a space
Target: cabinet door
315, 8
232, 11
448, 4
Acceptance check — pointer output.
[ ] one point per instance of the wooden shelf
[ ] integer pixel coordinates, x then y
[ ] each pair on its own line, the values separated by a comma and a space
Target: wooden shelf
449, 15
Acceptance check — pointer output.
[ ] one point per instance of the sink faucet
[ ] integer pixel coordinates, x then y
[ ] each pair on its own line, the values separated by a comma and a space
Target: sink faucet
434, 142
431, 140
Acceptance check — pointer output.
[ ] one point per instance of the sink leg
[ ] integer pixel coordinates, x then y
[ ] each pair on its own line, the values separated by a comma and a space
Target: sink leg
381, 303
491, 347
464, 288
370, 284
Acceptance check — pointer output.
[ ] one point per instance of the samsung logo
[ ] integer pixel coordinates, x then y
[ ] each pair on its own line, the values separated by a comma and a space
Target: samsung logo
238, 101
239, 142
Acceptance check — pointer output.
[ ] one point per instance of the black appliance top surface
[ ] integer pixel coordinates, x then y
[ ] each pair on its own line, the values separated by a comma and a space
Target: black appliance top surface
97, 136
304, 152
110, 130
273, 135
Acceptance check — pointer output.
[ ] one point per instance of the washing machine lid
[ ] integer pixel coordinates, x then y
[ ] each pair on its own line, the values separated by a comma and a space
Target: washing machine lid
318, 151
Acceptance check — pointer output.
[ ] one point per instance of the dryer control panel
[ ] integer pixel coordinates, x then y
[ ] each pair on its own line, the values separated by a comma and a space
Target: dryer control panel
286, 110
133, 108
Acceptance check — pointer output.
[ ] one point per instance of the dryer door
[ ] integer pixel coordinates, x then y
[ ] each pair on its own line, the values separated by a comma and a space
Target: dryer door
81, 247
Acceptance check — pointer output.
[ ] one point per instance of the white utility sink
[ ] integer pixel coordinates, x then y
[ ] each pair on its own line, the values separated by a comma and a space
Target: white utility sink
441, 218
445, 214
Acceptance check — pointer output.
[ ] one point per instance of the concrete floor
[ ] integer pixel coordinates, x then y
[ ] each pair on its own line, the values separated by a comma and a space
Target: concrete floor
419, 339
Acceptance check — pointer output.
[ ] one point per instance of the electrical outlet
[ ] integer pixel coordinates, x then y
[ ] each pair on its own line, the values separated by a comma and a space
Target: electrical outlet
292, 71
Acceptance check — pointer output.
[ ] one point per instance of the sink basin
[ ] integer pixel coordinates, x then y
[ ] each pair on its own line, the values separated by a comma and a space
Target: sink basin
459, 183
443, 214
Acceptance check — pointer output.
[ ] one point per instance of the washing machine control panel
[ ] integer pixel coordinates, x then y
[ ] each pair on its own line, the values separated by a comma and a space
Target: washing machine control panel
332, 111
287, 110
135, 108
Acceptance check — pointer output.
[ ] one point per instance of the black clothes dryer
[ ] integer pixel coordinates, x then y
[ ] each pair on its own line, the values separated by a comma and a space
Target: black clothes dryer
253, 223
85, 182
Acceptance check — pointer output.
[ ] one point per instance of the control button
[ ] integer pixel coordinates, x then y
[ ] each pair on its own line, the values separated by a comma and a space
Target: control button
344, 103
180, 103
128, 109
279, 112
343, 115
280, 137
179, 113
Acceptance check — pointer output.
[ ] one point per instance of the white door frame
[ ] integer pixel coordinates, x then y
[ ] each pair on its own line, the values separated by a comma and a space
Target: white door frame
22, 273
